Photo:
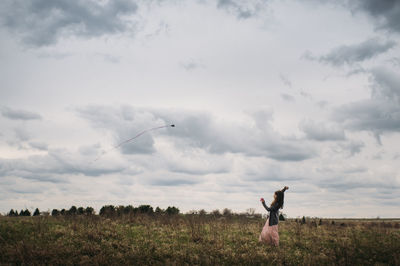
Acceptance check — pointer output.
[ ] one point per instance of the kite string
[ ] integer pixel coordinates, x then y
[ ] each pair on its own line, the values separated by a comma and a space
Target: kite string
128, 140
138, 135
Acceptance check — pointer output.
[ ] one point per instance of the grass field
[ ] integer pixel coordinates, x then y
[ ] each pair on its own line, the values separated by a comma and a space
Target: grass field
194, 239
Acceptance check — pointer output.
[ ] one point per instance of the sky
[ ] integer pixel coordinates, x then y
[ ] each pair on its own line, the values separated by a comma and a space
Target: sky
263, 94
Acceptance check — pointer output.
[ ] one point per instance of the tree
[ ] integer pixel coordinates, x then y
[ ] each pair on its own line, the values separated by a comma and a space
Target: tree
81, 211
89, 211
72, 211
146, 209
25, 213
63, 212
107, 210
36, 212
55, 212
120, 210
129, 209
159, 210
226, 212
281, 217
172, 210
13, 213
216, 213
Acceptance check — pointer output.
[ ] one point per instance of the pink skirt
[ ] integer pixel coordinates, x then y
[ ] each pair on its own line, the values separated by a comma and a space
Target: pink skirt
269, 234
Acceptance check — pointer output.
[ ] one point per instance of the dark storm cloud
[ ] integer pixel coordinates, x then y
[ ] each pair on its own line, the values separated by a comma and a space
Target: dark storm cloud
15, 114
350, 54
242, 9
380, 113
386, 12
199, 130
43, 22
320, 131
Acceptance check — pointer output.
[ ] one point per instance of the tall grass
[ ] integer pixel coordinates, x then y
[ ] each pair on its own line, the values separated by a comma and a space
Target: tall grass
193, 239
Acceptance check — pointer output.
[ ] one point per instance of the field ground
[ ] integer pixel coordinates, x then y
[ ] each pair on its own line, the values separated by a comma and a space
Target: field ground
195, 239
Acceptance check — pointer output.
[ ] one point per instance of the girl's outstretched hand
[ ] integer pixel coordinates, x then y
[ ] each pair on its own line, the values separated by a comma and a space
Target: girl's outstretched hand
286, 188
262, 200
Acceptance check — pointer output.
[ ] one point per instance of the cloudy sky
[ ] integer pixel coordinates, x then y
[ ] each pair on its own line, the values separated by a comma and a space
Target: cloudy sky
263, 93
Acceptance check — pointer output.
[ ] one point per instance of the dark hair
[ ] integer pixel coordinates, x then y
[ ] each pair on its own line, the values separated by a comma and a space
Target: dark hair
279, 199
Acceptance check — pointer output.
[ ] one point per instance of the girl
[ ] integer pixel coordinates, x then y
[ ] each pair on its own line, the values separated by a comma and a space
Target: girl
269, 233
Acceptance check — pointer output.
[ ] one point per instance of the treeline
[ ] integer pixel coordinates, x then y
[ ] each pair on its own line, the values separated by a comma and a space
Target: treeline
72, 211
117, 211
107, 210
110, 210
25, 212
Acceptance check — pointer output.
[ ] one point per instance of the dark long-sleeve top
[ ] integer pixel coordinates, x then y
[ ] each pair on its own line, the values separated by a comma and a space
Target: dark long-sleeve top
273, 213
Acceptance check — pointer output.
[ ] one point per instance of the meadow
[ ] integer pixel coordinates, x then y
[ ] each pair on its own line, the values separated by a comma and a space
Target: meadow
179, 239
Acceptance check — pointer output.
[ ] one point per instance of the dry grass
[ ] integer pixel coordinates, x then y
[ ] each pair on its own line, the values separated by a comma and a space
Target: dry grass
193, 239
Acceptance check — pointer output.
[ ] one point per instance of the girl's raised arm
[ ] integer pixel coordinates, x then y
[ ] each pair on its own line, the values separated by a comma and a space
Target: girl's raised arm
265, 205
